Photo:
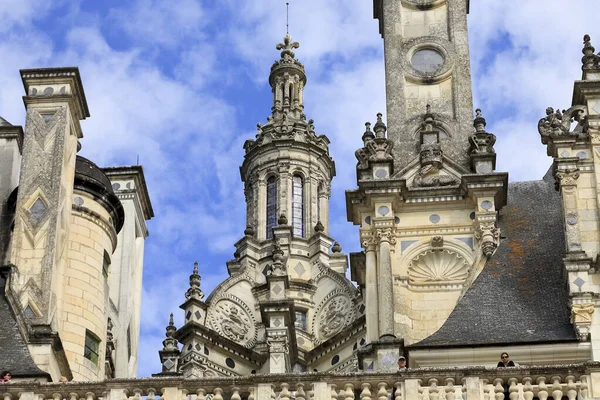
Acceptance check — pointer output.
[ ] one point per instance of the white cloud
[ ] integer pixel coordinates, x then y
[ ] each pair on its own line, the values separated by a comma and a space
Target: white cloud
165, 92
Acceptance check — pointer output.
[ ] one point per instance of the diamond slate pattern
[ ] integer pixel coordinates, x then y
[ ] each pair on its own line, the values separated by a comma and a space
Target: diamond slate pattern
521, 295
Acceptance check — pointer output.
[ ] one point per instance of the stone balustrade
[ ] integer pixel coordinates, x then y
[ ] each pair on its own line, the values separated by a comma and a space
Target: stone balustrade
557, 382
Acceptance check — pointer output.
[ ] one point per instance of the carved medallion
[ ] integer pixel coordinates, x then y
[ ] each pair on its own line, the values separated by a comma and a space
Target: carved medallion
333, 314
232, 318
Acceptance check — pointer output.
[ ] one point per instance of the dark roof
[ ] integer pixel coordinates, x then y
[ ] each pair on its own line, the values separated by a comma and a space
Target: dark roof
4, 122
521, 294
14, 355
90, 178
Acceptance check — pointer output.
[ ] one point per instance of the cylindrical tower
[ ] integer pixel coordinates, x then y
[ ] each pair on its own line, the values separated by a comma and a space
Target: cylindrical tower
287, 170
96, 218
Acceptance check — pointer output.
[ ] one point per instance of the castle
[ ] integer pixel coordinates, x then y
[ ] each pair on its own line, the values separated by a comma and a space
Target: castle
458, 265
71, 243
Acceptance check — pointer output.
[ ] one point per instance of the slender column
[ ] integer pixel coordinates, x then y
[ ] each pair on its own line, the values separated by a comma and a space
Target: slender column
313, 205
285, 191
371, 300
261, 227
385, 284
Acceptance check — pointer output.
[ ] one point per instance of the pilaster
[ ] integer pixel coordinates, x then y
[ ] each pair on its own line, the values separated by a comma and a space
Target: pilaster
55, 104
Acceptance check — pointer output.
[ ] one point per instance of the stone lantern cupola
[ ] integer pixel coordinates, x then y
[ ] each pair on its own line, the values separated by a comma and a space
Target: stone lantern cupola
287, 169
286, 305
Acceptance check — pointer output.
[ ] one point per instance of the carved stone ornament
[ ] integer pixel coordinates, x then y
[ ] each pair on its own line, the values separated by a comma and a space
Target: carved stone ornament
481, 142
278, 344
386, 235
376, 146
429, 174
231, 318
488, 235
558, 123
443, 266
566, 177
333, 314
581, 317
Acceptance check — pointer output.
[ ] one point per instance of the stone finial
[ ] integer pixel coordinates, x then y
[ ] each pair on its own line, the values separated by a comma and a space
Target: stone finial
479, 122
336, 248
249, 231
277, 269
287, 46
282, 220
368, 135
589, 58
170, 343
428, 120
319, 227
379, 127
194, 292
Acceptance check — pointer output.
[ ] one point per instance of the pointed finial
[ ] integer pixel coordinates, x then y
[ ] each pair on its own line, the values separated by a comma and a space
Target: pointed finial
287, 17
428, 109
379, 127
336, 248
479, 122
171, 322
319, 227
194, 291
286, 47
368, 135
428, 119
588, 50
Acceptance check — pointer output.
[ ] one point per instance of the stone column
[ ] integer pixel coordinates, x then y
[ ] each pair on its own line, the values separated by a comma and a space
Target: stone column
261, 226
371, 300
285, 192
385, 284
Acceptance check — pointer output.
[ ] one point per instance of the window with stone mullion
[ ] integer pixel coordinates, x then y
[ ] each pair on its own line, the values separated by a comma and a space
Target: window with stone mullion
297, 206
271, 205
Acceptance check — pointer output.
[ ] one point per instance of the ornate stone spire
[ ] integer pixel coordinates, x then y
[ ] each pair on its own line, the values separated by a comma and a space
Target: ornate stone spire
286, 48
194, 292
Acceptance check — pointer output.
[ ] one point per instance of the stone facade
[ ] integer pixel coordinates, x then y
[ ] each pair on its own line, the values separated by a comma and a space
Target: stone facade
59, 230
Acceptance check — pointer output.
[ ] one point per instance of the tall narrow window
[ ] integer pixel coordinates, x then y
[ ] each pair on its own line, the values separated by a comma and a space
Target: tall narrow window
297, 206
92, 347
271, 205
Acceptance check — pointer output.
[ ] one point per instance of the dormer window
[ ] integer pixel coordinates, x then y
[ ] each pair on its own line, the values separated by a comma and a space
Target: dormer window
298, 206
271, 205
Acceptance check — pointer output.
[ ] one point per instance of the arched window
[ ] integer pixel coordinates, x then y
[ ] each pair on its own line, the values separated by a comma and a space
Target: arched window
271, 205
298, 206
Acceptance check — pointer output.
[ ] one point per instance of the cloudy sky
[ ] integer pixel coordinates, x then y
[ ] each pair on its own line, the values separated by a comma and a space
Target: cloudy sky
182, 84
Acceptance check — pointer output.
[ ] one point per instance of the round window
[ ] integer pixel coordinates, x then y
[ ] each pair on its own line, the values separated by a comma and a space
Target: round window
427, 61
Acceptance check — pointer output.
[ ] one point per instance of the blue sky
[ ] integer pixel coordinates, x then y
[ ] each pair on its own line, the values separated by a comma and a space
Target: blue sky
182, 84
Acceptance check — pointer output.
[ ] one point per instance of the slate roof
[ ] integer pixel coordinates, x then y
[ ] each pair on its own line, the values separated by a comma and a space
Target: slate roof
521, 295
4, 122
14, 355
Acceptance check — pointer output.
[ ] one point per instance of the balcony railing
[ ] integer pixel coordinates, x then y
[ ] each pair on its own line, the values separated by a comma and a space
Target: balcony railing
574, 381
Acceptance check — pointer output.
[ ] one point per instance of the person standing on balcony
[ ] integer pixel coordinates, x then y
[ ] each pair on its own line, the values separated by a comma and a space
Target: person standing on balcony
505, 361
402, 363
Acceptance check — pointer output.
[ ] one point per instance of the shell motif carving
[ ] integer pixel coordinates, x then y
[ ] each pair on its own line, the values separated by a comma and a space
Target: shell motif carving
443, 266
333, 314
233, 320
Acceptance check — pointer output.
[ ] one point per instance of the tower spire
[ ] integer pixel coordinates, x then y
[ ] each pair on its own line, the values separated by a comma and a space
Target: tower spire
287, 17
